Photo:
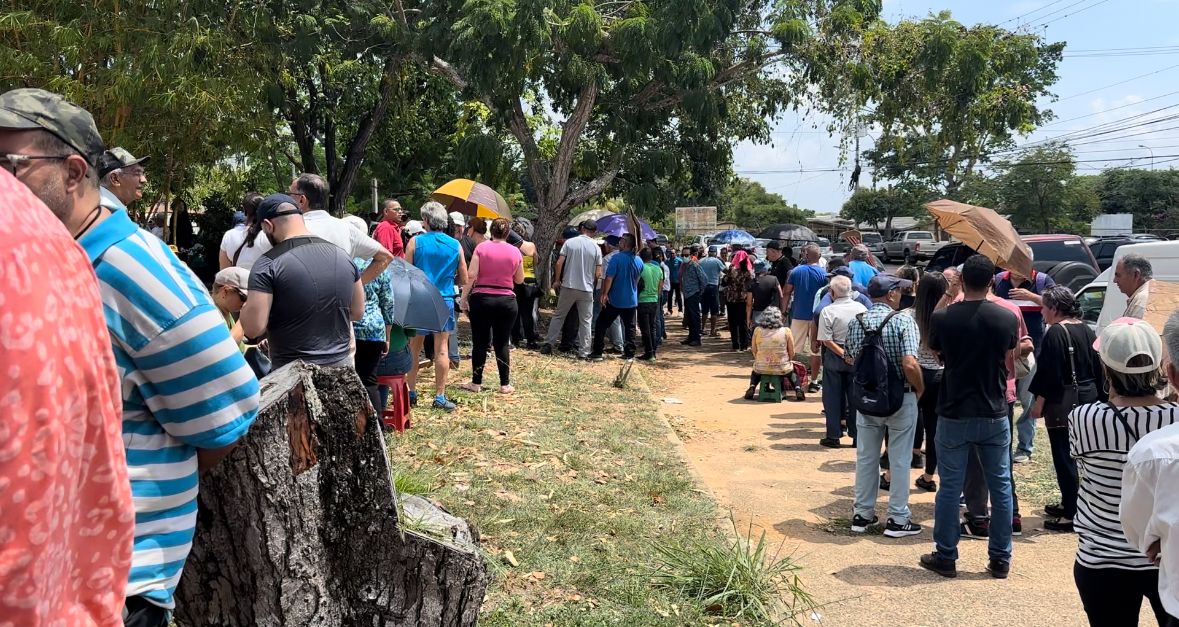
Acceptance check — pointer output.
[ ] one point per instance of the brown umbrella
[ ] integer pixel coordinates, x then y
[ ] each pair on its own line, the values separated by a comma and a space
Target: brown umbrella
985, 231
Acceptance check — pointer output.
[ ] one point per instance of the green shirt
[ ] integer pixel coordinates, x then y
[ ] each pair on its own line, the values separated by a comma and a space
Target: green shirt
652, 277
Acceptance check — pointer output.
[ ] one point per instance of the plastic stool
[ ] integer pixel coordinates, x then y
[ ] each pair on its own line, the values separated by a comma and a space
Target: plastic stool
770, 388
396, 413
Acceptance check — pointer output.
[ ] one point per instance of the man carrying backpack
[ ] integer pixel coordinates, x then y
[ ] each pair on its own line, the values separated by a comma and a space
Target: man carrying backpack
974, 339
882, 347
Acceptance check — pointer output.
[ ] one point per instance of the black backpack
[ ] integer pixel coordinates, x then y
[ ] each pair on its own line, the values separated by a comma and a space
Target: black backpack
876, 389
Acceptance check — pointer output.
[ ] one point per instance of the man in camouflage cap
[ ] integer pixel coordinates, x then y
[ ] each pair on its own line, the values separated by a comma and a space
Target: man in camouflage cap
188, 394
52, 146
123, 177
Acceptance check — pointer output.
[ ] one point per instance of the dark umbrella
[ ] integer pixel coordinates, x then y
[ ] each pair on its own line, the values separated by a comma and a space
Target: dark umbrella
791, 232
417, 304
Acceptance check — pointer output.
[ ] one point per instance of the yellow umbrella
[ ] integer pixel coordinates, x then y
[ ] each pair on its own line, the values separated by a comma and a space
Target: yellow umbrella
985, 231
473, 199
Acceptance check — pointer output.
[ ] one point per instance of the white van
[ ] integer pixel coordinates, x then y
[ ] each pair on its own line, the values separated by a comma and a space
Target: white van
1102, 302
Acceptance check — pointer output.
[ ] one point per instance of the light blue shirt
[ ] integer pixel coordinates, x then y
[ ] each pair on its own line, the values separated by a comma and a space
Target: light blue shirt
185, 386
712, 267
862, 272
109, 200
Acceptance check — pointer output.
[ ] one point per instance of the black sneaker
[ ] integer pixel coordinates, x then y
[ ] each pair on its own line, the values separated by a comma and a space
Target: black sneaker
1056, 510
594, 357
929, 485
1058, 524
999, 569
885, 484
918, 461
940, 565
546, 349
814, 388
860, 524
894, 530
830, 443
980, 528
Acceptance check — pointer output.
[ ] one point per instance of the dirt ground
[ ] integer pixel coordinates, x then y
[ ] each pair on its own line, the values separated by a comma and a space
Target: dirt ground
763, 461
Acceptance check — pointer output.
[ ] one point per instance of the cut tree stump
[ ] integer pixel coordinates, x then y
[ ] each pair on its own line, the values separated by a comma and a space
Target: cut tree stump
298, 526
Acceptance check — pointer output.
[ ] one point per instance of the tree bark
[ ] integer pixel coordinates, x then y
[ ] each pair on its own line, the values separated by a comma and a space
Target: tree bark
299, 525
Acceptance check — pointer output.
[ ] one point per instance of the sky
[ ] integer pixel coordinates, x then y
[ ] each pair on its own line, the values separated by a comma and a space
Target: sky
1100, 79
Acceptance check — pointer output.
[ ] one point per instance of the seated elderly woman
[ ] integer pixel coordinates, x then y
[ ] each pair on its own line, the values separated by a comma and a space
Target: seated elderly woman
773, 354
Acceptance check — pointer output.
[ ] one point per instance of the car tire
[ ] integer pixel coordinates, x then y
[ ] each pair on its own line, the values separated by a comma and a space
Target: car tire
884, 256
1072, 274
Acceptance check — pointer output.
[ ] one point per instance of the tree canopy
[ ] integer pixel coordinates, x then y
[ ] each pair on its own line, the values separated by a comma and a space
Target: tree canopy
748, 204
1040, 192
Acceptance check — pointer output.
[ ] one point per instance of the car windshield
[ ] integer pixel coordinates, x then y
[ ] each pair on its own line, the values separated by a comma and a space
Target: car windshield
824, 242
919, 235
872, 238
1066, 250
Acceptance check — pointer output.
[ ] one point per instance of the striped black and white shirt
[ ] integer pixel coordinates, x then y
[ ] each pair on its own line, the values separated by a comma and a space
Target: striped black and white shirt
1100, 443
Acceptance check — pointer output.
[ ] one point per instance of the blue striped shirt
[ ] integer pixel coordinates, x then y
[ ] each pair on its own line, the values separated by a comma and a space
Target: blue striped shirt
185, 386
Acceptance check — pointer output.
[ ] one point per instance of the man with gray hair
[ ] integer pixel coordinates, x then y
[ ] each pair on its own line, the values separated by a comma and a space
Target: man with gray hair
834, 320
440, 257
1132, 275
310, 191
122, 178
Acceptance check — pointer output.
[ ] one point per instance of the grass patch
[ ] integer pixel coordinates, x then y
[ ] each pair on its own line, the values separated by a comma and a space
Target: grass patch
418, 483
1035, 482
577, 480
734, 577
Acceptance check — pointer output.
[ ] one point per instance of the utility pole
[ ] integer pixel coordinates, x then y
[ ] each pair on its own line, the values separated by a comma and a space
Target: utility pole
1151, 155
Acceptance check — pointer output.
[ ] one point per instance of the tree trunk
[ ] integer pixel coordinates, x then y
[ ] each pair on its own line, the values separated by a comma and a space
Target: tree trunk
299, 525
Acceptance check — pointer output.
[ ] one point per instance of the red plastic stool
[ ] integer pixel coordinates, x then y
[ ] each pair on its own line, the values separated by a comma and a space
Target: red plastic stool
396, 413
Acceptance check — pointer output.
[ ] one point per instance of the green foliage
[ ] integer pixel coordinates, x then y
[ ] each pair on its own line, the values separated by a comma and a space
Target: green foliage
946, 96
880, 206
1041, 193
1151, 196
748, 204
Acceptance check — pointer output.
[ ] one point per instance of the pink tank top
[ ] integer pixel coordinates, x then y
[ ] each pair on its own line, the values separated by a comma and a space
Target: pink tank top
497, 268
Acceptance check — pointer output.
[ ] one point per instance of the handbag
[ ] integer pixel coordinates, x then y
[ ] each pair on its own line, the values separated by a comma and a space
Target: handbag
1056, 414
259, 362
1025, 364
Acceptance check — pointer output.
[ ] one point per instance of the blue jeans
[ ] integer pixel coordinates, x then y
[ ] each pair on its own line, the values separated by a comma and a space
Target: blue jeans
869, 440
955, 438
660, 319
1025, 427
837, 396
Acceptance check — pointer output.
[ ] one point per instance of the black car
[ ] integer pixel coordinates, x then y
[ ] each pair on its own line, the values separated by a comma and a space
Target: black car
1104, 248
1064, 258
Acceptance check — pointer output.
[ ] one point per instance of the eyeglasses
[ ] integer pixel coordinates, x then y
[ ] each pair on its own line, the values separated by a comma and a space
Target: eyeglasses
10, 161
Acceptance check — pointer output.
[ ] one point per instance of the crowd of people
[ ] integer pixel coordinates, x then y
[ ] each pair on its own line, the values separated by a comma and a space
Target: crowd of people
105, 440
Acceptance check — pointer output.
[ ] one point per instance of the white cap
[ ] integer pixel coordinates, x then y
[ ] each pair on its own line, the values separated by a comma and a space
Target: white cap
458, 218
1125, 339
413, 227
235, 277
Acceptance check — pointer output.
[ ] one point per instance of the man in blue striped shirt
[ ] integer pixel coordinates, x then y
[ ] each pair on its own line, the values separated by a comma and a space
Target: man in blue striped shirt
188, 395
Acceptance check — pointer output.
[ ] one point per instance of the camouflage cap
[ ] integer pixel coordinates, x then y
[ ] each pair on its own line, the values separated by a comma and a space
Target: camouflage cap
27, 109
116, 158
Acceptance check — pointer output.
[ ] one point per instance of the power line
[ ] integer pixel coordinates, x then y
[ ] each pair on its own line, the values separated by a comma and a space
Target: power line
1081, 117
1036, 10
1172, 157
1085, 93
1043, 24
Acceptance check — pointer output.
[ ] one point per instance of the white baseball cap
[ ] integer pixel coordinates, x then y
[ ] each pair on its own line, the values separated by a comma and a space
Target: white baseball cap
458, 218
413, 227
1126, 338
235, 277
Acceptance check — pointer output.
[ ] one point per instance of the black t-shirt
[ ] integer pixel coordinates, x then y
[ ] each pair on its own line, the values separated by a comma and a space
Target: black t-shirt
766, 292
1053, 370
973, 338
781, 269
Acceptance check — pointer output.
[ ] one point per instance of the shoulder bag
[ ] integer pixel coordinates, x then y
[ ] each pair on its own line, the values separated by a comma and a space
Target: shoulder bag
1056, 414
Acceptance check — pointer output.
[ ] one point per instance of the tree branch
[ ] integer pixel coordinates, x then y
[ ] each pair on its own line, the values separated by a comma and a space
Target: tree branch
448, 71
571, 132
354, 156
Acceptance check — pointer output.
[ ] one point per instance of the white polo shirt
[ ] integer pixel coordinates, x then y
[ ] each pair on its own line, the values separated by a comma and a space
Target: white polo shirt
1149, 510
326, 226
835, 318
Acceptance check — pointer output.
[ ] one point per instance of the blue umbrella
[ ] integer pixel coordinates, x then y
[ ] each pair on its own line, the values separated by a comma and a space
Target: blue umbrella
615, 224
733, 236
417, 304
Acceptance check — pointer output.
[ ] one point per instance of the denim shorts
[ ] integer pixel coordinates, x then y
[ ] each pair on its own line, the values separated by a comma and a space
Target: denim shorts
710, 301
396, 362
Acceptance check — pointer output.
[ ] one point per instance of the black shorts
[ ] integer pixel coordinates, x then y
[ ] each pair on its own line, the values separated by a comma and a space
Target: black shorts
710, 301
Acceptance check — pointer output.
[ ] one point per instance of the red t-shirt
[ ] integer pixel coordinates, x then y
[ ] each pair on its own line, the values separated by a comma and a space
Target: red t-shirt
66, 517
389, 235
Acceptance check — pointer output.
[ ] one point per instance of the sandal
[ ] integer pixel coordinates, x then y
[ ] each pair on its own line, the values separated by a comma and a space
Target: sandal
471, 387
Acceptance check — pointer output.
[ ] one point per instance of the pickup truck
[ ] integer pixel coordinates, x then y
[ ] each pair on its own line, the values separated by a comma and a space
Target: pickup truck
911, 245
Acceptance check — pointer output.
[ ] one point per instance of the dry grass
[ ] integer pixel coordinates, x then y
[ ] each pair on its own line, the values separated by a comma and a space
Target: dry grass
573, 486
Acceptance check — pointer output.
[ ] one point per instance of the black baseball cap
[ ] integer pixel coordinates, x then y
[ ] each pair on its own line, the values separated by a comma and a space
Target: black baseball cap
882, 284
589, 225
570, 232
774, 245
273, 206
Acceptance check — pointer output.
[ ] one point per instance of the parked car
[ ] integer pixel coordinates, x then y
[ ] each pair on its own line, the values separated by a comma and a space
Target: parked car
874, 241
1102, 302
911, 246
1103, 249
1065, 258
